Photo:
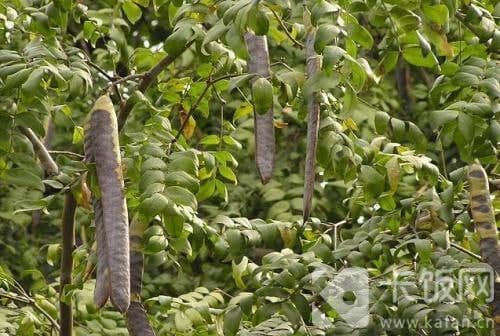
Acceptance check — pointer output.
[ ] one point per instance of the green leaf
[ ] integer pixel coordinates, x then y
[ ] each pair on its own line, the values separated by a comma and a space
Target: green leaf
325, 34
52, 254
78, 135
321, 9
182, 322
424, 44
132, 11
381, 122
236, 242
17, 79
243, 110
232, 320
332, 55
213, 34
239, 81
466, 126
178, 39
181, 196
154, 205
441, 117
388, 62
21, 177
210, 140
173, 220
414, 55
226, 172
465, 79
229, 140
436, 13
239, 271
155, 244
143, 3
32, 84
360, 34
258, 21
373, 181
320, 81
424, 249
182, 179
206, 190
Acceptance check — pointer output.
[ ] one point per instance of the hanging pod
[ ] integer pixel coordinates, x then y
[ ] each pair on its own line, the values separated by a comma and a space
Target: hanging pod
110, 208
258, 63
481, 209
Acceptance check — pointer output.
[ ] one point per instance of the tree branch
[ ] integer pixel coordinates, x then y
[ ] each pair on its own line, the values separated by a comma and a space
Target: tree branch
68, 242
48, 164
147, 80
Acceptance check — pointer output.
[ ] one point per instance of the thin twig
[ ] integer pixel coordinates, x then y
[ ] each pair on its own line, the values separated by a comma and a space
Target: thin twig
282, 24
193, 107
48, 164
209, 83
147, 80
105, 74
464, 250
122, 80
57, 152
100, 70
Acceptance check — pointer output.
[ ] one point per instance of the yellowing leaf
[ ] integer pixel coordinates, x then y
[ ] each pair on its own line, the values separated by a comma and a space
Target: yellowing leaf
190, 126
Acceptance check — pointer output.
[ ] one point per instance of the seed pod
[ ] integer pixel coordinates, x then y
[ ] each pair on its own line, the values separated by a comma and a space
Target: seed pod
137, 320
313, 66
258, 63
102, 285
102, 148
484, 220
262, 95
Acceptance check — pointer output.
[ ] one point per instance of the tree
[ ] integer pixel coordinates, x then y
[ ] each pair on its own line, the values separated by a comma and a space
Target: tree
262, 150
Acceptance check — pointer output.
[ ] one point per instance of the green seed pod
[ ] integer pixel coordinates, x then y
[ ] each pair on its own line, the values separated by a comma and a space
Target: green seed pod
262, 95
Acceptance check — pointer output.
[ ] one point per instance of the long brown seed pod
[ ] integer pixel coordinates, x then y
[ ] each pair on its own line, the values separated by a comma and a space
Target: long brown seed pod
484, 220
258, 63
137, 320
102, 148
313, 66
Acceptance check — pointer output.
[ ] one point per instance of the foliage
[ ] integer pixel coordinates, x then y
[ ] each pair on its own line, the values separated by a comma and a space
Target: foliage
409, 96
